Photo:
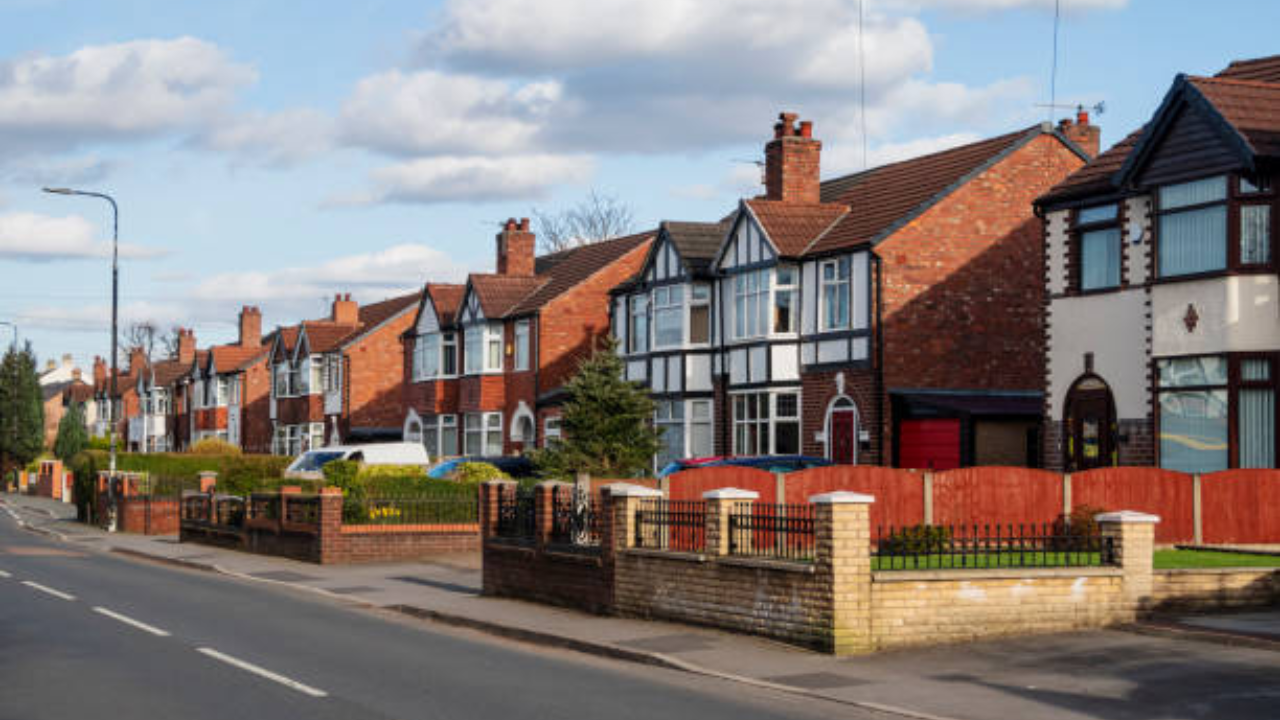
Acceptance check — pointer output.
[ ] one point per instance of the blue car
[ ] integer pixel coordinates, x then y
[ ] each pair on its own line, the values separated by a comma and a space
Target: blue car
514, 466
767, 463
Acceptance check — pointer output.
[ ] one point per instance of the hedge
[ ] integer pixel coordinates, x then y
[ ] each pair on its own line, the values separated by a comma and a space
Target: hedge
236, 473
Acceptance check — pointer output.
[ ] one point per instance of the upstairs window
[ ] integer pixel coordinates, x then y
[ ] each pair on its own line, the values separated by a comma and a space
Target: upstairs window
522, 345
1193, 227
700, 314
449, 354
638, 324
483, 348
668, 316
1099, 247
1255, 221
786, 299
833, 277
750, 304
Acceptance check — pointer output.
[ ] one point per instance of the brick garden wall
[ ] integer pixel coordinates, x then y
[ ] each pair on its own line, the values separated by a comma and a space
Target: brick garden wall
1206, 589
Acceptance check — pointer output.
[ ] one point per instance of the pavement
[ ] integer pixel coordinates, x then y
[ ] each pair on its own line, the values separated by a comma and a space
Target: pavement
1166, 672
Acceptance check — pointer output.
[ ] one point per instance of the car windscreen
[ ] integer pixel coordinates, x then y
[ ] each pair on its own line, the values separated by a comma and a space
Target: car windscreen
312, 461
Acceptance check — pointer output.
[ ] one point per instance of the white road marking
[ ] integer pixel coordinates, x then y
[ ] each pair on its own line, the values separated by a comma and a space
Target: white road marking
49, 590
307, 689
130, 621
4, 574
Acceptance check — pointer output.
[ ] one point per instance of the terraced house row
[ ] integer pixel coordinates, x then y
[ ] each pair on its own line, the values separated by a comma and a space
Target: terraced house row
1020, 300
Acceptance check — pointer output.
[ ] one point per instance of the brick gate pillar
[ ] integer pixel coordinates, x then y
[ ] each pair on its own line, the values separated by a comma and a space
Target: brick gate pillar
1134, 537
720, 504
842, 562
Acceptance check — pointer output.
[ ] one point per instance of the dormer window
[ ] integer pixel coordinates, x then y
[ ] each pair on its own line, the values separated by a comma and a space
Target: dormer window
1099, 250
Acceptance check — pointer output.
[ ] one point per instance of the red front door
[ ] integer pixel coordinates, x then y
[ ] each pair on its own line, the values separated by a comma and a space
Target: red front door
843, 437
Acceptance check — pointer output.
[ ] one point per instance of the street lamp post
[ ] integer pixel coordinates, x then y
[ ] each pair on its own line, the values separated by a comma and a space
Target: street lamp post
115, 297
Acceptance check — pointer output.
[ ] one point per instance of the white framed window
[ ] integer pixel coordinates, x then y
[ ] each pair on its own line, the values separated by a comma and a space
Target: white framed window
449, 354
668, 316
235, 390
316, 439
833, 287
668, 415
750, 304
699, 314
482, 434
638, 324
333, 378
427, 356
315, 383
448, 428
550, 430
701, 435
766, 423
197, 394
522, 345
493, 348
483, 348
224, 391
786, 300
281, 384
1193, 227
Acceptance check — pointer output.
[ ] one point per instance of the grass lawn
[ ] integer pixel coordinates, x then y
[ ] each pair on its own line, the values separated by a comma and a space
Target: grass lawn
987, 561
1173, 559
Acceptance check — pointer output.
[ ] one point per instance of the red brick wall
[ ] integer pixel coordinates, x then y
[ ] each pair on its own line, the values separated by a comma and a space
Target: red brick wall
147, 516
211, 418
481, 393
374, 376
300, 409
963, 283
818, 389
571, 325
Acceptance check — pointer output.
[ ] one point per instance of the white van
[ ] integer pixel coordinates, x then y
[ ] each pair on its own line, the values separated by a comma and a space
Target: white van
309, 465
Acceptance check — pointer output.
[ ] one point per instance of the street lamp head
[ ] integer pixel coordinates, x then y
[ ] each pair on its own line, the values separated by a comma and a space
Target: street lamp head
58, 191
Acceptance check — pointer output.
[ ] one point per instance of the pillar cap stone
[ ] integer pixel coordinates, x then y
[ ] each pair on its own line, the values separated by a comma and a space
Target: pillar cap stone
629, 490
841, 497
497, 483
554, 483
730, 493
1127, 516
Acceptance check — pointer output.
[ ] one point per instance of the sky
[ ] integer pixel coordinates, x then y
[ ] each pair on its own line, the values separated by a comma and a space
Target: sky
274, 154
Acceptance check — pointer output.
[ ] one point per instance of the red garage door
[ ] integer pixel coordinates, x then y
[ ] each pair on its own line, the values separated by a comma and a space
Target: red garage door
929, 444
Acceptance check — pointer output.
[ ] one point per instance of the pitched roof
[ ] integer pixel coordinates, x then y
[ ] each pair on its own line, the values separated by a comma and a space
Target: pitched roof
499, 294
568, 268
374, 314
79, 391
1250, 106
794, 227
1094, 178
883, 198
446, 299
228, 358
1266, 69
324, 335
697, 242
167, 372
52, 390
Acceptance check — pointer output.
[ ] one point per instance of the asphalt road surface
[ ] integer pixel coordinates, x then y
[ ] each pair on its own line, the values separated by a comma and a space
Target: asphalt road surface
89, 635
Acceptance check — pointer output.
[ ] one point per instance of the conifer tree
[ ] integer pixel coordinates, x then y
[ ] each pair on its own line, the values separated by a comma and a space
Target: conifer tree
607, 424
72, 434
21, 410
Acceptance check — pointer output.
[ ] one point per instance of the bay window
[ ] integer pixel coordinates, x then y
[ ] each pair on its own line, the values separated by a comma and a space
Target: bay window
1256, 414
435, 355
786, 299
449, 354
1193, 414
282, 374
315, 381
833, 288
1193, 227
668, 316
473, 342
440, 435
1100, 247
1255, 234
750, 304
482, 348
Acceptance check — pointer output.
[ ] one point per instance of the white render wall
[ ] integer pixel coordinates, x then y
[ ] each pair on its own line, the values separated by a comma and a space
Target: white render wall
1236, 313
1113, 327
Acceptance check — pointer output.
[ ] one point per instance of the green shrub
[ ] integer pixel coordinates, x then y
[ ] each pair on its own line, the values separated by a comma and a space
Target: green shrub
213, 446
236, 473
1074, 531
917, 540
470, 473
102, 443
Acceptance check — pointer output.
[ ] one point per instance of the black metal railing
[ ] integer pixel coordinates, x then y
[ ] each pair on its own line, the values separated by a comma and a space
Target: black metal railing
301, 509
416, 509
574, 523
264, 506
517, 516
195, 507
948, 547
772, 531
679, 525
228, 511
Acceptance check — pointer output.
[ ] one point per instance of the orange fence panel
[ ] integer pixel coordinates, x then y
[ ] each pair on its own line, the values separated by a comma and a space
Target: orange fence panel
690, 484
996, 495
899, 494
1166, 493
1241, 506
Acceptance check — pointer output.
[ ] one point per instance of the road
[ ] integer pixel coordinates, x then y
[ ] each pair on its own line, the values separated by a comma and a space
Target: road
86, 634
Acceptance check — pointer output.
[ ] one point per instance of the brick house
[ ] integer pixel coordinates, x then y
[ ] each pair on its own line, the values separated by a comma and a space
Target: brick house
891, 316
58, 396
162, 424
1160, 276
485, 362
340, 380
230, 389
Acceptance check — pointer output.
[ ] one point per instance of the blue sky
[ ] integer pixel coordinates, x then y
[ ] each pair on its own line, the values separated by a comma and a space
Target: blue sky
277, 153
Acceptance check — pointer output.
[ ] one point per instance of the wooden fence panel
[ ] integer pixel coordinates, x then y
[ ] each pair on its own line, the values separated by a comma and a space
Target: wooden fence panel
996, 495
899, 494
1166, 493
1241, 506
690, 484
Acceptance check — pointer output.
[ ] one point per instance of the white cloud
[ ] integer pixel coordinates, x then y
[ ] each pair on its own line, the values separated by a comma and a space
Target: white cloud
471, 179
31, 237
272, 139
119, 91
33, 170
430, 112
977, 6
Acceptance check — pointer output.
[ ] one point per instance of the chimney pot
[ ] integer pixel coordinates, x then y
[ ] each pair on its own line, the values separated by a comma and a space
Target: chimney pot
524, 224
515, 245
1082, 116
806, 129
792, 161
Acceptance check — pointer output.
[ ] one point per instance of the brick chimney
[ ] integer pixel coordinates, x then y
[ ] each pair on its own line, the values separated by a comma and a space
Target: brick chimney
345, 310
137, 359
515, 248
99, 371
250, 327
186, 345
75, 375
791, 161
1080, 132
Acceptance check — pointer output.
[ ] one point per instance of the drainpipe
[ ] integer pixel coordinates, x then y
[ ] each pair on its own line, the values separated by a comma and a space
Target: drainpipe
880, 358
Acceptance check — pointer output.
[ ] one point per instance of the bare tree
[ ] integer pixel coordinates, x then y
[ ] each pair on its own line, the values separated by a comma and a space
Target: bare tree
596, 217
142, 334
169, 341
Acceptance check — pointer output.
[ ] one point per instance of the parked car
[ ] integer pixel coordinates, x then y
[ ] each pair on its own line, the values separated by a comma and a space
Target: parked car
310, 464
768, 463
516, 466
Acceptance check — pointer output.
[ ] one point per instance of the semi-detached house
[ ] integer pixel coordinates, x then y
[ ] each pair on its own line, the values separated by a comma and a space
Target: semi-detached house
891, 316
230, 389
340, 380
486, 361
1160, 274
